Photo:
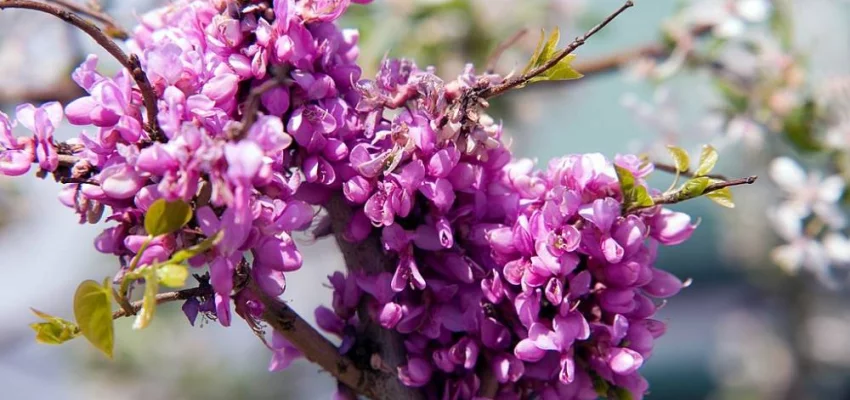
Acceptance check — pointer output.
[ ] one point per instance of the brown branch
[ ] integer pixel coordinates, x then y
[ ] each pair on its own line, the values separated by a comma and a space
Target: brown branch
611, 62
497, 90
672, 170
167, 297
113, 29
283, 319
677, 197
130, 62
497, 52
318, 349
63, 90
616, 60
252, 106
368, 257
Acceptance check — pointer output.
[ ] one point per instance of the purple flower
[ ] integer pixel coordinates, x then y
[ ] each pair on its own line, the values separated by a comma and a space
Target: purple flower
284, 353
15, 159
43, 122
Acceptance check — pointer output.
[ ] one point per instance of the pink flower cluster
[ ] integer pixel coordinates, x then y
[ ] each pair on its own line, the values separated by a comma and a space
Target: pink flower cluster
535, 279
536, 282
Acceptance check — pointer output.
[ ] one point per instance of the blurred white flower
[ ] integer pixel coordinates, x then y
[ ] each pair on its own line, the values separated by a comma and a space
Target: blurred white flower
801, 250
744, 130
809, 193
837, 248
729, 18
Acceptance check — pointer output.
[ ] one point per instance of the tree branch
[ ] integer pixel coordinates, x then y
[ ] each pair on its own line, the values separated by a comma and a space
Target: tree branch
63, 90
252, 106
130, 62
616, 60
676, 197
497, 90
316, 348
369, 258
113, 29
167, 297
613, 61
497, 52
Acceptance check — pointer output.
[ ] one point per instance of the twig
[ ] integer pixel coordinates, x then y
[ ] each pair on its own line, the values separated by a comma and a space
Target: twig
81, 181
185, 294
497, 90
319, 349
130, 62
112, 28
497, 52
369, 258
672, 170
297, 331
676, 197
63, 90
618, 59
252, 106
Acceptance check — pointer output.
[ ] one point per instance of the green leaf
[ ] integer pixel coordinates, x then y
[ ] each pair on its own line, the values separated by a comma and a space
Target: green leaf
549, 49
634, 196
172, 275
537, 52
55, 330
93, 311
187, 253
167, 216
722, 197
544, 51
680, 158
707, 159
143, 319
562, 71
693, 188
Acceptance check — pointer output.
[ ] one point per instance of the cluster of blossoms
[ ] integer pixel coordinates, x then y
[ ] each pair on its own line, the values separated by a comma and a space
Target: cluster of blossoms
205, 61
533, 278
539, 282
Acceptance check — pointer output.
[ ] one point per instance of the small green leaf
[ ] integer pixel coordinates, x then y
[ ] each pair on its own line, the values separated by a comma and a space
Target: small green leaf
55, 330
537, 52
634, 196
93, 311
187, 253
167, 216
143, 319
722, 197
694, 188
549, 49
707, 159
172, 275
562, 71
680, 158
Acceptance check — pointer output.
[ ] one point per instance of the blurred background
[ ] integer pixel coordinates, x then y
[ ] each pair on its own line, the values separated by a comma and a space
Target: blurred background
743, 330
